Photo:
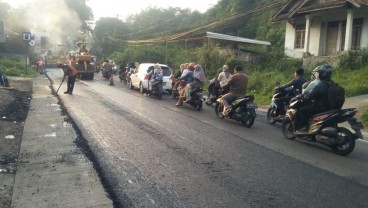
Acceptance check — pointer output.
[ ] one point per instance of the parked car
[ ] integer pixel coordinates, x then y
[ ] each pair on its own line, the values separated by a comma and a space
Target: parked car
138, 78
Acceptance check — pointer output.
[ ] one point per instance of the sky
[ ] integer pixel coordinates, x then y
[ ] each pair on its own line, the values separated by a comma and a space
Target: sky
124, 8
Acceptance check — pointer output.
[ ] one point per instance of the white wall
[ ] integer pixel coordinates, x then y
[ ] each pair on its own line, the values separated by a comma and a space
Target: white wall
289, 43
315, 37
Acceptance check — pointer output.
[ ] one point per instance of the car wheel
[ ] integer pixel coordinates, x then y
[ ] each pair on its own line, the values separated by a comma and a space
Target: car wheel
131, 84
141, 89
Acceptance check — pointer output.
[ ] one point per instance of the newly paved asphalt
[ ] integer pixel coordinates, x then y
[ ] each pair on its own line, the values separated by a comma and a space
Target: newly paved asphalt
52, 171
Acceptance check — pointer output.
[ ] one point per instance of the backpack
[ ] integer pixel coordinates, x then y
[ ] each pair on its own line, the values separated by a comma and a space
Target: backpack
336, 95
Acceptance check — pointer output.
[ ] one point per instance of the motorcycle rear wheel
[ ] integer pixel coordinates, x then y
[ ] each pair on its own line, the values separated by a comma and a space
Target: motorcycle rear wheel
348, 146
287, 129
271, 115
218, 110
197, 105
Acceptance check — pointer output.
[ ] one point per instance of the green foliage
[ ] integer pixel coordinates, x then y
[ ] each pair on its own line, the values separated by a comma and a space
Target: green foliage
352, 80
365, 117
353, 60
211, 59
15, 66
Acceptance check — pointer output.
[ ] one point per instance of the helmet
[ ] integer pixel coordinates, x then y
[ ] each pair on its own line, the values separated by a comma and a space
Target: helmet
324, 72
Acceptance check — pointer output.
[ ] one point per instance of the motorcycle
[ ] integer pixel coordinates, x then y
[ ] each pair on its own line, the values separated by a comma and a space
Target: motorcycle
279, 103
106, 73
123, 77
180, 85
242, 109
324, 129
218, 92
157, 89
196, 99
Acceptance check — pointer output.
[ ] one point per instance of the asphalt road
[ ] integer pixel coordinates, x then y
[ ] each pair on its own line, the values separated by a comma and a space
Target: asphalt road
153, 154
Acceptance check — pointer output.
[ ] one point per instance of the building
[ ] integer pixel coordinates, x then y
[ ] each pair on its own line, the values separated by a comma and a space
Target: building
324, 27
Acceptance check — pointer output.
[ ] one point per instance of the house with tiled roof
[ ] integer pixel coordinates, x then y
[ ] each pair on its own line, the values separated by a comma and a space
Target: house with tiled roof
324, 27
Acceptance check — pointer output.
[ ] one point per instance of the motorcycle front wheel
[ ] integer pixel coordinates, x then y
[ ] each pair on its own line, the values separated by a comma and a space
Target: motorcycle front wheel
271, 115
287, 129
248, 120
218, 110
348, 146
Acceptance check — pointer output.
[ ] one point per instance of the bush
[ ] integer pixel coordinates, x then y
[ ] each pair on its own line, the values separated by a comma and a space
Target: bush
365, 117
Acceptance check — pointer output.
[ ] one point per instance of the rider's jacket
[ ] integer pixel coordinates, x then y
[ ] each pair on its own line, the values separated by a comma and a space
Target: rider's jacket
319, 94
238, 84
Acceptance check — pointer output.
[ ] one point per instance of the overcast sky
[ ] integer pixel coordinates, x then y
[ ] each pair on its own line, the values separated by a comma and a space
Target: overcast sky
123, 8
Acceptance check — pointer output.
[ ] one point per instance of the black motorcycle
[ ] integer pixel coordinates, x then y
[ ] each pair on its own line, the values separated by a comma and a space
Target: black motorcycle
196, 99
324, 129
157, 89
216, 93
123, 77
279, 104
106, 73
242, 109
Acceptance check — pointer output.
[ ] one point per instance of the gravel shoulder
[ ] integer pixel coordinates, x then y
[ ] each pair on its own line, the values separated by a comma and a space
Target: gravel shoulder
14, 107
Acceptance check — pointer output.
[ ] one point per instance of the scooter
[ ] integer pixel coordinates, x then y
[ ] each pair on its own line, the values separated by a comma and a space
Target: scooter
324, 129
279, 103
196, 99
157, 89
218, 92
242, 109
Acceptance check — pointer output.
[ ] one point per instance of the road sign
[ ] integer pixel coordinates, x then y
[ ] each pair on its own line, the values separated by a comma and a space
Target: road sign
26, 36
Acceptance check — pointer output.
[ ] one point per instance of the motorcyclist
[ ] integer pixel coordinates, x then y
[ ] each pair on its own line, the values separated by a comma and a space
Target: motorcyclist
213, 87
199, 79
316, 100
237, 84
176, 82
186, 76
155, 74
297, 82
315, 80
224, 75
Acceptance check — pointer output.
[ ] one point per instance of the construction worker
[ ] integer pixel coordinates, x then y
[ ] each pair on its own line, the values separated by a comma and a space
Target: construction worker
71, 72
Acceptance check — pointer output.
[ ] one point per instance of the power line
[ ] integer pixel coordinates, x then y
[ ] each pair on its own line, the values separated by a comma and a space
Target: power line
230, 21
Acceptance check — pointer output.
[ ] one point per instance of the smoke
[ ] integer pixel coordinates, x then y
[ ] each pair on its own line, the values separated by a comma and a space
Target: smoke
53, 18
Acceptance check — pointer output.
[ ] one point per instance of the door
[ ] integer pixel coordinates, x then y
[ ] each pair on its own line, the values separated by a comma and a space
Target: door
331, 38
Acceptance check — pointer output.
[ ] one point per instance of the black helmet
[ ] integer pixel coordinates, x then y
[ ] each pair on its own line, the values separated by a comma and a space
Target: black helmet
324, 72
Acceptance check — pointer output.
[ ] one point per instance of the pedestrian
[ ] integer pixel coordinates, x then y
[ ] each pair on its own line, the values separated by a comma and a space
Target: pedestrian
71, 73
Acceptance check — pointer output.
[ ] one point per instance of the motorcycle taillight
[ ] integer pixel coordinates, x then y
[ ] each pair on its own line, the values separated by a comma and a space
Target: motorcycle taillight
321, 117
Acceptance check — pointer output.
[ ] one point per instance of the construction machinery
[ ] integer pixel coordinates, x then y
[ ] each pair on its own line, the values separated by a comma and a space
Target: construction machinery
83, 62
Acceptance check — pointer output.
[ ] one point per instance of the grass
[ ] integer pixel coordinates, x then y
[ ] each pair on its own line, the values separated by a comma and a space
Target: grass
16, 66
364, 117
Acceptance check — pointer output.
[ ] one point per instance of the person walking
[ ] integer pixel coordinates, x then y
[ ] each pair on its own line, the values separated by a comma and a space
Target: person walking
71, 73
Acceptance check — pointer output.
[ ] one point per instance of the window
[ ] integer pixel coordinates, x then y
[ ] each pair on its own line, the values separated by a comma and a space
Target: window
357, 34
299, 36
